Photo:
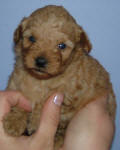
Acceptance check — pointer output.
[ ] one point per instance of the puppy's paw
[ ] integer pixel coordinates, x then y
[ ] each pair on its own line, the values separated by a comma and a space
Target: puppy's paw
15, 122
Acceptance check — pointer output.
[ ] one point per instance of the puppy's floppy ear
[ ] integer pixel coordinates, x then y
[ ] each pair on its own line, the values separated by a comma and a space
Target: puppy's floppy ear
83, 40
18, 32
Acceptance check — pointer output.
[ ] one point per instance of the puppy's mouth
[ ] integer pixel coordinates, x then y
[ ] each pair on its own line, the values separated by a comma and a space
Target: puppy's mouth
39, 70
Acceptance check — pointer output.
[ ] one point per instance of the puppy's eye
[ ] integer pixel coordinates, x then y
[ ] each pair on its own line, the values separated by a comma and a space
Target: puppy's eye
32, 39
62, 46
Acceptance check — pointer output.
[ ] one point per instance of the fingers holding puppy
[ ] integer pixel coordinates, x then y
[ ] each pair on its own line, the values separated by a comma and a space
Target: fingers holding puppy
9, 99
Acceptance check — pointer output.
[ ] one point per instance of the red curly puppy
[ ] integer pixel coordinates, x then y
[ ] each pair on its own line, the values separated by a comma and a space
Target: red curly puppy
52, 54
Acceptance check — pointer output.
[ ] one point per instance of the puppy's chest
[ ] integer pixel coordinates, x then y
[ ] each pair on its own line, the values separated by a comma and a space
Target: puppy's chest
38, 91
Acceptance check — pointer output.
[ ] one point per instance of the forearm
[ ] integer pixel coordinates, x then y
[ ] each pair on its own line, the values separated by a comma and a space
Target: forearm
91, 129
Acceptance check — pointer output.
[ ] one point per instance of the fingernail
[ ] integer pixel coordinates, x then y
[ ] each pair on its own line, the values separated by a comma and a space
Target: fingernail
29, 108
58, 99
27, 105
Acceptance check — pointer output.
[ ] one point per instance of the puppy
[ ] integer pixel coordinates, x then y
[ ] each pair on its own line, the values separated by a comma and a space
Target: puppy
52, 55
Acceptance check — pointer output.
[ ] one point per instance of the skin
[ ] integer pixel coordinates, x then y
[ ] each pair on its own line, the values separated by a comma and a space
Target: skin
78, 136
91, 128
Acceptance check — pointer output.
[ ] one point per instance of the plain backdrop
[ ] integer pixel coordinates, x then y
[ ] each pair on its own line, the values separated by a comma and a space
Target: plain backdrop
99, 18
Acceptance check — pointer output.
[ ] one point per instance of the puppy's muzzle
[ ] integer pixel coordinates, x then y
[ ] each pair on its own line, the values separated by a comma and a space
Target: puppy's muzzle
40, 62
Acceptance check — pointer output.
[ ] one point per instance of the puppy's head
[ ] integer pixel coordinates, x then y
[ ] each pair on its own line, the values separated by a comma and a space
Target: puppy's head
46, 41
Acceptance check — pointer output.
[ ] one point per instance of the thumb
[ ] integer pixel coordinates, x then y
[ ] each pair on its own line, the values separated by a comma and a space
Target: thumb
50, 117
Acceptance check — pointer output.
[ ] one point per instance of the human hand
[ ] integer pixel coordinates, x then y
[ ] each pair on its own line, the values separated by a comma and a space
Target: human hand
91, 128
43, 139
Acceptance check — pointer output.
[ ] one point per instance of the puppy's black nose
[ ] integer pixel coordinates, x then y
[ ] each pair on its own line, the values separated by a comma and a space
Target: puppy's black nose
40, 62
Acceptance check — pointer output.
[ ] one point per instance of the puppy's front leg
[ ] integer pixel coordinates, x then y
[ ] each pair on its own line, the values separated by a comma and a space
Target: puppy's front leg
15, 121
34, 119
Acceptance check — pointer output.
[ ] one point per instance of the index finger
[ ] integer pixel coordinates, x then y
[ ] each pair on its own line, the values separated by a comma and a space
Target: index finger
12, 98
